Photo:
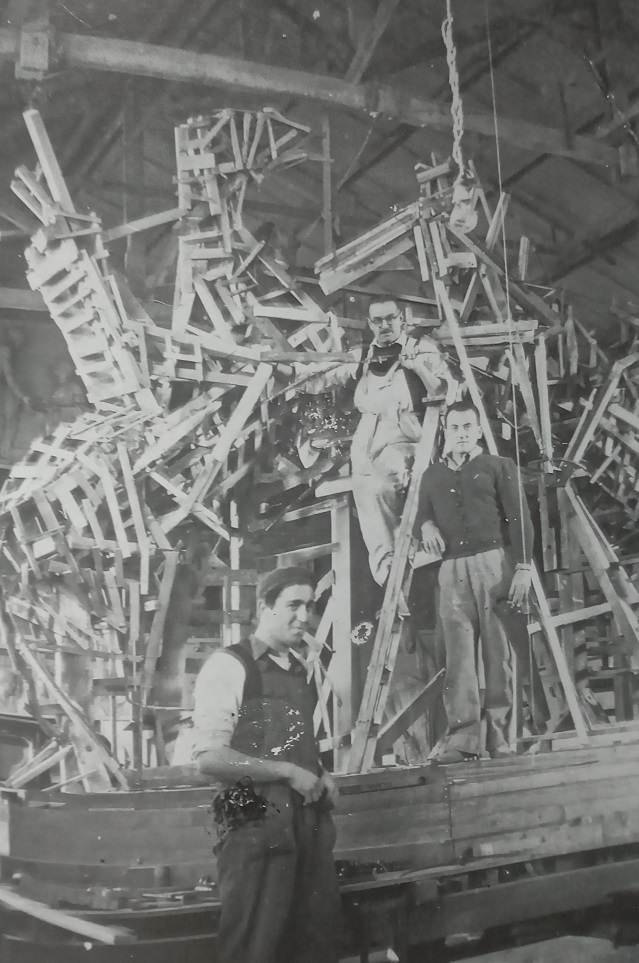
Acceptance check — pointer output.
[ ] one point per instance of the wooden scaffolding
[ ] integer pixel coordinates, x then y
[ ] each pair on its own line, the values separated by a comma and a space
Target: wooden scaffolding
99, 515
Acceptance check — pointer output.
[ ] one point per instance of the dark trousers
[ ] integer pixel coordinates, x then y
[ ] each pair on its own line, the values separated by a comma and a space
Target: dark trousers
278, 886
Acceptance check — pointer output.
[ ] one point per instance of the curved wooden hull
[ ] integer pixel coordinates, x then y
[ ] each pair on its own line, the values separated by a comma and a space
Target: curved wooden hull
148, 852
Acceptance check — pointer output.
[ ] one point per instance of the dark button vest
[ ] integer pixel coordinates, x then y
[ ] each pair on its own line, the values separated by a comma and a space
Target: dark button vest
276, 715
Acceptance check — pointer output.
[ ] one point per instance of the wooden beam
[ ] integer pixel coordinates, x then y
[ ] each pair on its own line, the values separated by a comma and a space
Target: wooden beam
392, 730
142, 224
327, 189
170, 63
523, 296
48, 160
340, 669
369, 41
133, 160
74, 924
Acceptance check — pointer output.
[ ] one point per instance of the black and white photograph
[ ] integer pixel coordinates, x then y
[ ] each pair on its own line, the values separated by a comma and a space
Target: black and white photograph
319, 481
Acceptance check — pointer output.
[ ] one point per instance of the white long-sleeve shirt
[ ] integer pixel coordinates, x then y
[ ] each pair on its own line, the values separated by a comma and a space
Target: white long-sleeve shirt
385, 401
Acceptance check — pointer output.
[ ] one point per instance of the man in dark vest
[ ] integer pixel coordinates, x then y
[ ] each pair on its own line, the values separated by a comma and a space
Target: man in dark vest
253, 717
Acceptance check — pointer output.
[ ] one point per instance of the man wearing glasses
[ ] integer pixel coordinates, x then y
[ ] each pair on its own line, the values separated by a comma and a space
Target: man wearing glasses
395, 374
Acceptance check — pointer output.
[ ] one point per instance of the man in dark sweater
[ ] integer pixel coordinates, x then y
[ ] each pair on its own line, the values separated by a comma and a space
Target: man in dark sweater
466, 502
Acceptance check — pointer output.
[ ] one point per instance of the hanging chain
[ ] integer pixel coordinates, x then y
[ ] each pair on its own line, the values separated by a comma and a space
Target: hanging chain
457, 109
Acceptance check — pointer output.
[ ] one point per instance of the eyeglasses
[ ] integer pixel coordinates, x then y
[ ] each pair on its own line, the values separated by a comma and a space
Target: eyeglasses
388, 319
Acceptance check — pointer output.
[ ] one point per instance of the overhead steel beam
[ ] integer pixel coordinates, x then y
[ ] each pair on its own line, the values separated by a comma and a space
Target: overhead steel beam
170, 63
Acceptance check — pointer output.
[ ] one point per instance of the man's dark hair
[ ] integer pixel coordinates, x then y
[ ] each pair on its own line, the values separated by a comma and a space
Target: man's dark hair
272, 584
383, 299
464, 405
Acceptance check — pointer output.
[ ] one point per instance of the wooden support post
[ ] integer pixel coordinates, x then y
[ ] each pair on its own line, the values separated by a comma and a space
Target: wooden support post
441, 292
341, 665
48, 161
494, 231
563, 671
327, 189
133, 159
541, 371
392, 730
156, 635
235, 548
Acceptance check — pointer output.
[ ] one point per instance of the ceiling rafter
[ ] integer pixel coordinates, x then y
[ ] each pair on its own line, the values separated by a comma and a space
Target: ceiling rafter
370, 40
597, 243
169, 63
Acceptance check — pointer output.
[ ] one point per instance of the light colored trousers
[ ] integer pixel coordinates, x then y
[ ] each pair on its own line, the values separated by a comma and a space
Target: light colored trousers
470, 589
379, 493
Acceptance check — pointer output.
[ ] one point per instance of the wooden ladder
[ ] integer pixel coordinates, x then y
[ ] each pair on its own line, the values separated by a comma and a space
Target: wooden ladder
392, 622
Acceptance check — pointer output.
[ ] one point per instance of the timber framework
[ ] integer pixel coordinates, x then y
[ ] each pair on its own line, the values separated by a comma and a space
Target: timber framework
184, 447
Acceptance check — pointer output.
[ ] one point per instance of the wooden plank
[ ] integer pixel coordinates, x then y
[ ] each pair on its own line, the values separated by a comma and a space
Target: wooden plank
527, 898
596, 407
559, 657
614, 584
77, 718
520, 364
420, 247
414, 710
340, 669
441, 293
571, 618
142, 224
297, 556
111, 935
154, 643
48, 160
327, 191
136, 515
530, 301
214, 461
541, 370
